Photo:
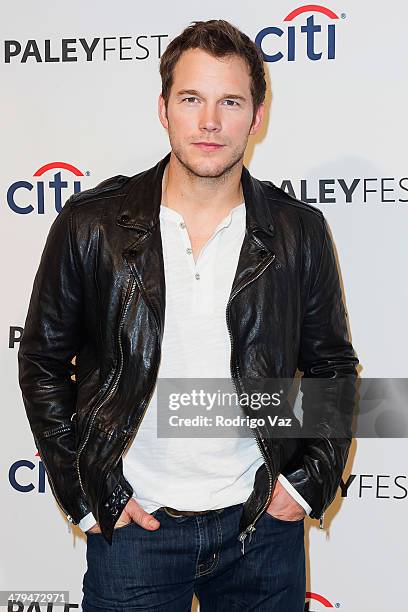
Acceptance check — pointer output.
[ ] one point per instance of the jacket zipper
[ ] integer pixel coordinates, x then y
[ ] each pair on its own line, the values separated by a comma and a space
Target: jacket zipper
130, 291
147, 397
68, 516
251, 528
132, 433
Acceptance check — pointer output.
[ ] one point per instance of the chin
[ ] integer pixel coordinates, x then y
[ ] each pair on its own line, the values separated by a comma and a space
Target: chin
205, 168
202, 165
208, 172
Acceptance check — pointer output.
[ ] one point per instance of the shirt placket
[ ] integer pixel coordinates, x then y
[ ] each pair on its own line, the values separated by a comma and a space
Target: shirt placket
203, 269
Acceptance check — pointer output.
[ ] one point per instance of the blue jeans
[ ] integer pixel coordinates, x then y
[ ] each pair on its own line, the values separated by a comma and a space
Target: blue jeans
161, 570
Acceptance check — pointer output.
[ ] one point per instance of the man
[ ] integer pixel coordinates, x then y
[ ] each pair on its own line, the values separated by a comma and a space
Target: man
192, 268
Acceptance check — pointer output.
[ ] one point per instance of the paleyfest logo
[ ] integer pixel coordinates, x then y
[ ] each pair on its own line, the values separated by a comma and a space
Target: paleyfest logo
24, 197
315, 35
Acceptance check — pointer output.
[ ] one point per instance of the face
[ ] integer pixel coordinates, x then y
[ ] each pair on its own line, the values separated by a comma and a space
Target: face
210, 102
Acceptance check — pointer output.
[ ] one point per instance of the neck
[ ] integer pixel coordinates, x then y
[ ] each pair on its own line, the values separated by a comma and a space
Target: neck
194, 196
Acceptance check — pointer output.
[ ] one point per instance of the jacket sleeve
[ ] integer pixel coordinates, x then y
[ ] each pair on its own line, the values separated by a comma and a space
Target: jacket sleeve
51, 338
328, 362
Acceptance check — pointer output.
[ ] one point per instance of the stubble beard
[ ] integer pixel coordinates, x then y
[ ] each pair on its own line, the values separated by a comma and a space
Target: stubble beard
219, 171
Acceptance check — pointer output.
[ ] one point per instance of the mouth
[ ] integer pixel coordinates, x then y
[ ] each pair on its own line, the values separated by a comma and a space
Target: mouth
208, 146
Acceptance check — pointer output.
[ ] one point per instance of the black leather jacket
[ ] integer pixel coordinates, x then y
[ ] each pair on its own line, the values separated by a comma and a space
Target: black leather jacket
99, 296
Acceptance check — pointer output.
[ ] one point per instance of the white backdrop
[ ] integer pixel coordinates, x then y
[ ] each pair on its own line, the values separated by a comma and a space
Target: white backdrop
334, 124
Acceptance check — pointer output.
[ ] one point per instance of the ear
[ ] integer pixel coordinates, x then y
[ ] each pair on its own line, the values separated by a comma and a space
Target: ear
161, 108
257, 122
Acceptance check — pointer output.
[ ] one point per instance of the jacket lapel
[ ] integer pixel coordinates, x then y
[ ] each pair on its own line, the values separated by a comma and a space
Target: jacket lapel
256, 251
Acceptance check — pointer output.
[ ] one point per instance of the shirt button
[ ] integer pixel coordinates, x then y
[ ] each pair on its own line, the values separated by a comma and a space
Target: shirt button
189, 251
182, 225
197, 276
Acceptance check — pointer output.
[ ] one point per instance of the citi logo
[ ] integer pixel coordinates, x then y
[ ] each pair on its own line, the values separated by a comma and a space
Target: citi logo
25, 197
313, 35
26, 476
322, 602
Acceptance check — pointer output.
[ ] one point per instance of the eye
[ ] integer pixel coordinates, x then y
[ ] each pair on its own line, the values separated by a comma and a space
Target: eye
233, 101
190, 98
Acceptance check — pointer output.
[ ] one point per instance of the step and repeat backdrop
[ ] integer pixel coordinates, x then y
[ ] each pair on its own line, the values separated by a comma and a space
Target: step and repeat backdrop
80, 83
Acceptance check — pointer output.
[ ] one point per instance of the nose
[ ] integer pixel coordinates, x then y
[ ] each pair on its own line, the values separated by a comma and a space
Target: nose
209, 118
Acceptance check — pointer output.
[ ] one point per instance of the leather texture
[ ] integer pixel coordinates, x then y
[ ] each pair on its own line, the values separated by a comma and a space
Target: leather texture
99, 296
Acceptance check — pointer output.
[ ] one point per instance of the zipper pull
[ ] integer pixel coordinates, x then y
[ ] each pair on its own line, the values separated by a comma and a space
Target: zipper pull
321, 521
241, 538
251, 530
69, 521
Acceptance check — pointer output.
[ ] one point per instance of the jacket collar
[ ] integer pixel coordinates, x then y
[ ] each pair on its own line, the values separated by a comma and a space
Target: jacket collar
140, 211
140, 208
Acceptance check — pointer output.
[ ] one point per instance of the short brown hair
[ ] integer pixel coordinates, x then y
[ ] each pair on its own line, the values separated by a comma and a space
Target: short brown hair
219, 38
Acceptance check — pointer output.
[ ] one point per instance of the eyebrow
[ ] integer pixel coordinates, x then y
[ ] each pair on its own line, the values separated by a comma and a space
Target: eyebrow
194, 92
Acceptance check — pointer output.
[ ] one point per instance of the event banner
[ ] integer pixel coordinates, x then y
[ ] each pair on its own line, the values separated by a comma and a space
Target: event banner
80, 87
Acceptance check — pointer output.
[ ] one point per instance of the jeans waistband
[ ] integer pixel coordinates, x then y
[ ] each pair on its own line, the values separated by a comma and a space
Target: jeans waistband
178, 513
